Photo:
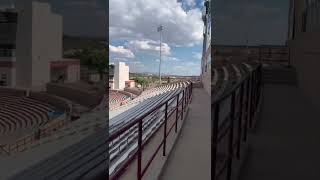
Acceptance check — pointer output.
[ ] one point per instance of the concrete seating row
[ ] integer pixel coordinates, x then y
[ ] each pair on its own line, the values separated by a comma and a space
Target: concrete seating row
21, 112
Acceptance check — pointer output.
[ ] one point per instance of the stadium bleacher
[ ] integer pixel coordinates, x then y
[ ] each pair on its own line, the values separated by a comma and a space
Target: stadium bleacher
18, 111
116, 99
121, 147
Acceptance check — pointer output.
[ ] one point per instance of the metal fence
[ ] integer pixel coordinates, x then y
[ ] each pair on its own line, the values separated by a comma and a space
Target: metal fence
229, 133
176, 105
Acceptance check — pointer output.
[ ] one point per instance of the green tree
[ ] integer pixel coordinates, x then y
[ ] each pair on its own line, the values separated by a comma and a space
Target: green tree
96, 59
142, 81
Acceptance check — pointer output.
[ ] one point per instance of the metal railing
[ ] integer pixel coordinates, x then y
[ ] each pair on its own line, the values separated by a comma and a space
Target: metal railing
229, 133
22, 143
175, 105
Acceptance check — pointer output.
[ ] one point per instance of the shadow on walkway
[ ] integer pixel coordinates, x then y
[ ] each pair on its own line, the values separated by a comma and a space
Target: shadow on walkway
286, 143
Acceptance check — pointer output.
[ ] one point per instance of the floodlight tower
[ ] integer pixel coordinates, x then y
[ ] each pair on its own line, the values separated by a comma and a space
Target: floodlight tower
160, 28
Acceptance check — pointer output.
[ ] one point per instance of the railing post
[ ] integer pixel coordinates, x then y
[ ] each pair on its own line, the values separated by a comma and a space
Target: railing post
185, 99
247, 109
259, 84
165, 130
139, 174
214, 140
177, 114
230, 145
252, 99
240, 120
183, 95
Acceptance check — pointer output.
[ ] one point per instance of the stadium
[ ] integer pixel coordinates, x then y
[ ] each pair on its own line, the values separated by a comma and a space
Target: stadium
145, 122
52, 121
137, 120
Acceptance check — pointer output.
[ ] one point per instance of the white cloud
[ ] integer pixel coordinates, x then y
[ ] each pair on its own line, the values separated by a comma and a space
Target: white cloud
149, 46
120, 52
172, 59
135, 62
169, 59
139, 19
188, 68
191, 3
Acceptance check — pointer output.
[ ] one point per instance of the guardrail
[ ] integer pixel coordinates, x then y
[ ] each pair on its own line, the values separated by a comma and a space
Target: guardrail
228, 135
22, 143
179, 104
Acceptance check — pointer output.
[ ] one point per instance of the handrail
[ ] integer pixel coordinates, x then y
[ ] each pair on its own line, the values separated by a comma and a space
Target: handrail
244, 106
181, 103
112, 136
20, 144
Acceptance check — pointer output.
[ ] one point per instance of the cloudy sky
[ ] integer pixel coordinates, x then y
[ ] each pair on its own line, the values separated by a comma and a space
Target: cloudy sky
133, 36
80, 17
259, 21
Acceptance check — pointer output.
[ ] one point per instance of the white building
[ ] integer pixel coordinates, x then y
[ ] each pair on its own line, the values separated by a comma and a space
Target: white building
31, 40
121, 75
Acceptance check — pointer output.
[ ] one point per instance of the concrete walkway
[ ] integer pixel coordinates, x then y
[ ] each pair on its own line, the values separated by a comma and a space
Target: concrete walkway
190, 158
286, 144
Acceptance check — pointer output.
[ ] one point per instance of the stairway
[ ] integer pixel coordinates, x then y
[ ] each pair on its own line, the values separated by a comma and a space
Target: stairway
285, 75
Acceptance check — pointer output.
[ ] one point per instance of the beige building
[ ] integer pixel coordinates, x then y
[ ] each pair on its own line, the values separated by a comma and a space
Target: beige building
206, 53
119, 76
31, 47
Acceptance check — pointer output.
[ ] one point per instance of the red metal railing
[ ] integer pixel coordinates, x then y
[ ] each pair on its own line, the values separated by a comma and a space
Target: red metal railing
22, 143
176, 104
228, 134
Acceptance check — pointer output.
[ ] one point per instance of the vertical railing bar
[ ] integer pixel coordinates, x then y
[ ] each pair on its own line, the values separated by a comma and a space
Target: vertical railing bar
177, 113
183, 95
165, 130
230, 145
250, 100
246, 110
214, 138
139, 175
240, 119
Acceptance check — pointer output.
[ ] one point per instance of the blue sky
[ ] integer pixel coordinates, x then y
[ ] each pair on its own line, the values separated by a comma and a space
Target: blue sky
134, 38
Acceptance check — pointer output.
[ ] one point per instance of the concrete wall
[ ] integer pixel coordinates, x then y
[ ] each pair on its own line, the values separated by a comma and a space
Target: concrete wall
305, 55
39, 41
73, 73
23, 45
46, 43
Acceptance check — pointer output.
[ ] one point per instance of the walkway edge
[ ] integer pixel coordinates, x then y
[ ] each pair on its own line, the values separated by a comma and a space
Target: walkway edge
173, 146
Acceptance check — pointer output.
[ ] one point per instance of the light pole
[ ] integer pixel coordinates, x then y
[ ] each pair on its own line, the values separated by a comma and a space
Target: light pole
160, 28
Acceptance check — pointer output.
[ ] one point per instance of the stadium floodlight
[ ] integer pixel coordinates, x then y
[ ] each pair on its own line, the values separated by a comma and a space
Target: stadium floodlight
160, 28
